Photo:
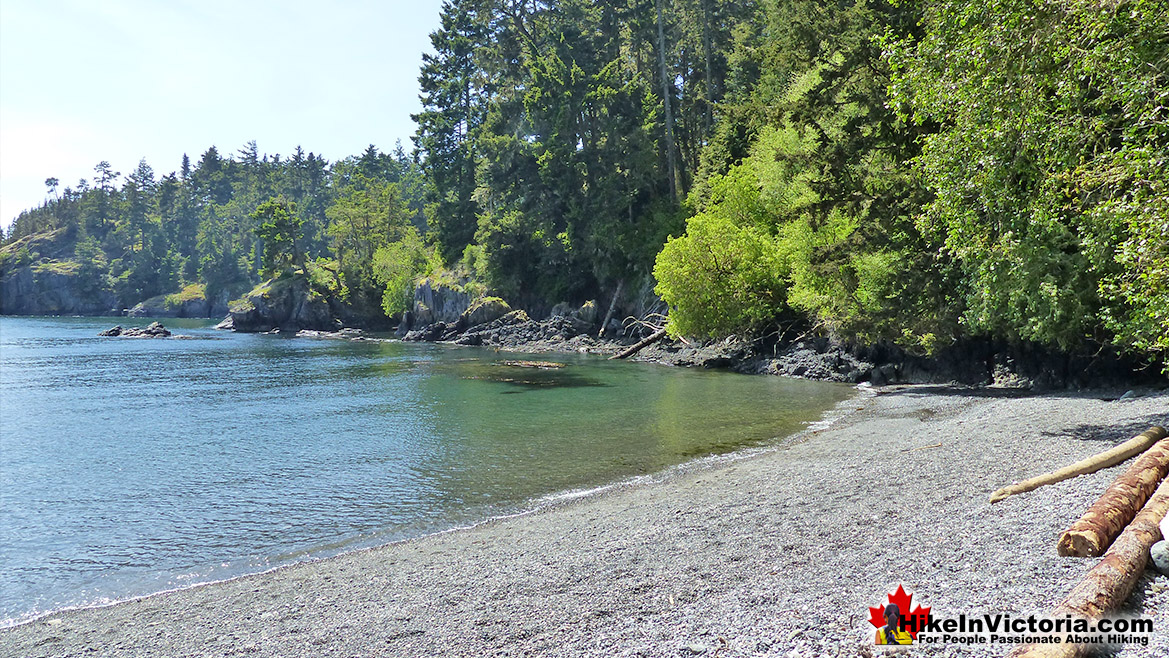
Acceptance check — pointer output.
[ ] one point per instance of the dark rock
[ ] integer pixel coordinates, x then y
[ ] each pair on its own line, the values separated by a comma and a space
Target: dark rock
404, 326
155, 330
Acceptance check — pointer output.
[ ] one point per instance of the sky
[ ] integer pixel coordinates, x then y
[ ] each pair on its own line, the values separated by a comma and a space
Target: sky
83, 81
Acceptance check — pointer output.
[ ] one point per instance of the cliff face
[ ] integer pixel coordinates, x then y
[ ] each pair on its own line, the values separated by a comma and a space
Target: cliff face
40, 276
437, 302
52, 288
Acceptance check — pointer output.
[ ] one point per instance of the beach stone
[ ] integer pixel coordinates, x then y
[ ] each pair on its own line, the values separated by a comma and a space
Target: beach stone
1165, 527
1160, 555
697, 649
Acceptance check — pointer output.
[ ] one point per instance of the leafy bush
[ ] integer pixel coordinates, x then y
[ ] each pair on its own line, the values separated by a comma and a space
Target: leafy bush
720, 278
397, 266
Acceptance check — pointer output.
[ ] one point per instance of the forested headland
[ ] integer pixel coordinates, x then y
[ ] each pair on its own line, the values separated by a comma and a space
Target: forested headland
910, 173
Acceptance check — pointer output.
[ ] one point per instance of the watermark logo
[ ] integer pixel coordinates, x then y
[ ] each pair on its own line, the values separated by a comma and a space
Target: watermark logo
895, 622
898, 623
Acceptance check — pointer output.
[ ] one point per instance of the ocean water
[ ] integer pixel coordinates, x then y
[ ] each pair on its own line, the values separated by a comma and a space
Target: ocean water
133, 466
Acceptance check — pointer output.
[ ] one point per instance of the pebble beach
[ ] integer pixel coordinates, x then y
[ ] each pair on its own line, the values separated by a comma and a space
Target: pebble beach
774, 552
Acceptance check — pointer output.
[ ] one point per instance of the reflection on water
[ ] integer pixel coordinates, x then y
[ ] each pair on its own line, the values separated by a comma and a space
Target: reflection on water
129, 466
526, 374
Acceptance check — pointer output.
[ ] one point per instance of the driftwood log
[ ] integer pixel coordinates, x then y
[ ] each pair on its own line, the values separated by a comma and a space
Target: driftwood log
1091, 535
1111, 581
655, 337
1133, 446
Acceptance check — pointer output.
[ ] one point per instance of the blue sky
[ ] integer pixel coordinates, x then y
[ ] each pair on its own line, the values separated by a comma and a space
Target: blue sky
120, 80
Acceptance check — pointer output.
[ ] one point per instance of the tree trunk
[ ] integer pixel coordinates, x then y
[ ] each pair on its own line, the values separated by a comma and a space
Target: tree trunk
1133, 446
708, 116
657, 335
1110, 582
670, 159
1091, 535
612, 305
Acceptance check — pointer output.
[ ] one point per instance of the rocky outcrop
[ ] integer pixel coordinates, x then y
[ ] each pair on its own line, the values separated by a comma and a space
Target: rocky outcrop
297, 301
438, 302
52, 288
484, 310
286, 303
155, 330
190, 302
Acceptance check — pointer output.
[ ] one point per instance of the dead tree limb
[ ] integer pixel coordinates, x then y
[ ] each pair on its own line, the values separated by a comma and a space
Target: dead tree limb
1133, 446
1111, 581
1091, 535
655, 337
612, 307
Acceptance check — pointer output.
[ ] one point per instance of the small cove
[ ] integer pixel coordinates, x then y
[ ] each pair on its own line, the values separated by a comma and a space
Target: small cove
132, 466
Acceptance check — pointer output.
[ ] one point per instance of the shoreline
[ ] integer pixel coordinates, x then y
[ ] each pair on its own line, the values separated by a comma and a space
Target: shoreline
531, 506
773, 553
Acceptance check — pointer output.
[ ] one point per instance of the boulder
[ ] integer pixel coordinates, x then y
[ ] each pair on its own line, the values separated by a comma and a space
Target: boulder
484, 310
1160, 556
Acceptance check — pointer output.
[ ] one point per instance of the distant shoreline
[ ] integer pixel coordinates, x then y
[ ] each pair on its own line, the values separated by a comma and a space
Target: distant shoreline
770, 553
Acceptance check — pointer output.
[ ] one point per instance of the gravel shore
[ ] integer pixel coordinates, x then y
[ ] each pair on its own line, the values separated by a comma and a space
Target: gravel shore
776, 553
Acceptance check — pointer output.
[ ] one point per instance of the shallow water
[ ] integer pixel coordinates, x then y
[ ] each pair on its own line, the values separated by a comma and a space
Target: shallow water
131, 466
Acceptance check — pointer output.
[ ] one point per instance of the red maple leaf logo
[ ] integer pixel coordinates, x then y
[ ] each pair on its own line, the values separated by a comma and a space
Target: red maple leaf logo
914, 621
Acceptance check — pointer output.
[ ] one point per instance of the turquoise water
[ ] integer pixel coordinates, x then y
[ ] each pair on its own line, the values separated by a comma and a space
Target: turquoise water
132, 466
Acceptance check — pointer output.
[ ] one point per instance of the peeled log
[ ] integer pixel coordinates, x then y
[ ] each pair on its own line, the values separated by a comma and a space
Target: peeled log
1093, 533
1133, 446
1111, 581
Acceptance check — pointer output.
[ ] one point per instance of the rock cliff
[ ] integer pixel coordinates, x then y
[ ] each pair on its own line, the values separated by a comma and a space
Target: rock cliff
52, 288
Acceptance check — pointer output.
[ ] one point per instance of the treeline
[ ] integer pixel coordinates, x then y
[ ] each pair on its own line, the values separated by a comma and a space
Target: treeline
917, 172
227, 222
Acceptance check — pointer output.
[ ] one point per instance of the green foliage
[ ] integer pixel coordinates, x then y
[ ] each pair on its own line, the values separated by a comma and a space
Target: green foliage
280, 230
191, 293
368, 214
1049, 164
912, 172
397, 267
720, 278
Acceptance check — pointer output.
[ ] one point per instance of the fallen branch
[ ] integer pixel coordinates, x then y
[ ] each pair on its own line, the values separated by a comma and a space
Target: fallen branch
1111, 581
655, 337
1091, 535
1133, 446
